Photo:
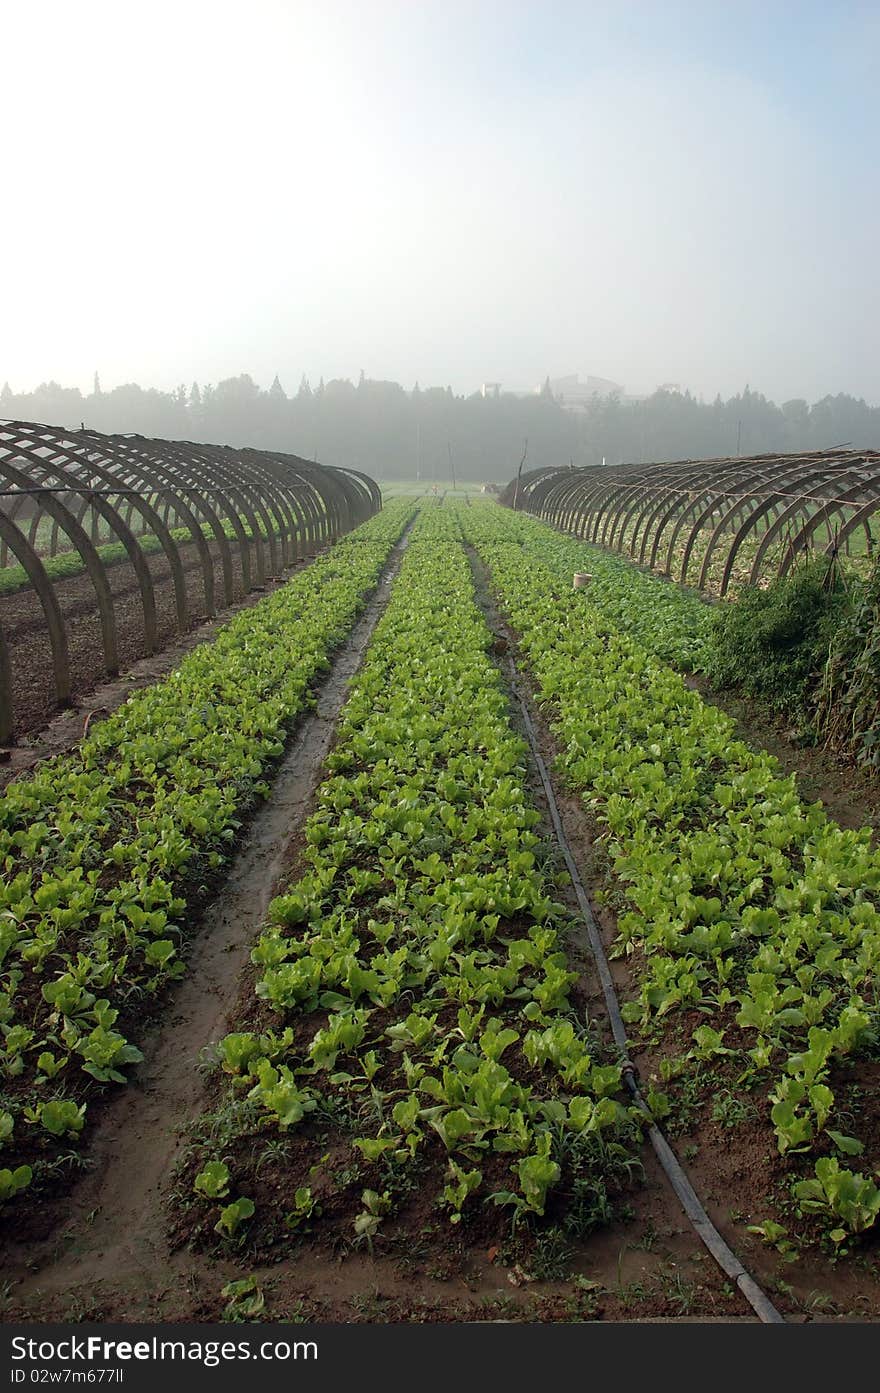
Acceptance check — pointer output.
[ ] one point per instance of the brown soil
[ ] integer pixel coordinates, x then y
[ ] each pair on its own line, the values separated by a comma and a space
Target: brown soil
33, 683
735, 1170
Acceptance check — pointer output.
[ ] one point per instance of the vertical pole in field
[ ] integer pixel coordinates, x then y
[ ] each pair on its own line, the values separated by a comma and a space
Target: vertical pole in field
451, 464
519, 472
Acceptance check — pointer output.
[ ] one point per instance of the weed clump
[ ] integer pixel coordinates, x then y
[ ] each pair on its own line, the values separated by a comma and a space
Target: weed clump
774, 644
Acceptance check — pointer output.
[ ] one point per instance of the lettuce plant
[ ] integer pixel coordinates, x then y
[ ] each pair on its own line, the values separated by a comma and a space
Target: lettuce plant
233, 1215
212, 1180
847, 1195
14, 1181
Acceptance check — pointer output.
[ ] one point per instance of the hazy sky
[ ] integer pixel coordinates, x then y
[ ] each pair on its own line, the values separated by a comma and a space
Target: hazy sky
441, 191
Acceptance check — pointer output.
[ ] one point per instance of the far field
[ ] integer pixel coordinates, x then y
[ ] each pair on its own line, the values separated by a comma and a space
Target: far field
392, 488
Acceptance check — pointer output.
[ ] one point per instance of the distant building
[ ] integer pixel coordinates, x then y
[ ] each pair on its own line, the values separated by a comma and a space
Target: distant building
571, 392
576, 394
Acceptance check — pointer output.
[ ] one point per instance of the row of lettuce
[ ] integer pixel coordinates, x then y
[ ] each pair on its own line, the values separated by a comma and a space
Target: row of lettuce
746, 906
803, 646
667, 620
103, 848
416, 1024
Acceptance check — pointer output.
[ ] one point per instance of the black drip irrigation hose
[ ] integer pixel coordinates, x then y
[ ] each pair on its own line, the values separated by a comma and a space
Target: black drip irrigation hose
702, 1224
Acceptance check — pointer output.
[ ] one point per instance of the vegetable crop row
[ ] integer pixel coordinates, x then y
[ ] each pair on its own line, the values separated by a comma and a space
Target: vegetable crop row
752, 916
667, 620
103, 848
416, 1023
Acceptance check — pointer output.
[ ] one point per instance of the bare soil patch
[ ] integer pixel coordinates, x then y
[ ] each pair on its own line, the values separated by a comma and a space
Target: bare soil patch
33, 682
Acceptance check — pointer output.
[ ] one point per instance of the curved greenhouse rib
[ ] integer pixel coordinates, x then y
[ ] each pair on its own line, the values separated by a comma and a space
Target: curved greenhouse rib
769, 509
67, 492
36, 574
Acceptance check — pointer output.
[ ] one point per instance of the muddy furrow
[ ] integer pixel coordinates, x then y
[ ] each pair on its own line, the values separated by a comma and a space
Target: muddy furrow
115, 1226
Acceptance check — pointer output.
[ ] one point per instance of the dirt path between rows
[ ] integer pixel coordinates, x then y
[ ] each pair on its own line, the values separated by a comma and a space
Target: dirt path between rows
113, 1235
